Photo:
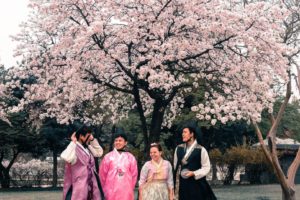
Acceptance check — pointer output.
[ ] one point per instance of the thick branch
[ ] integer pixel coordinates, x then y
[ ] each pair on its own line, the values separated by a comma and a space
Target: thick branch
74, 20
293, 169
271, 159
175, 90
162, 9
81, 13
15, 154
129, 53
124, 69
96, 80
275, 162
262, 144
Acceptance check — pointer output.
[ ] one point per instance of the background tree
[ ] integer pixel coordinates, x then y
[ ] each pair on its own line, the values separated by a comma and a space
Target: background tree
55, 137
236, 157
15, 139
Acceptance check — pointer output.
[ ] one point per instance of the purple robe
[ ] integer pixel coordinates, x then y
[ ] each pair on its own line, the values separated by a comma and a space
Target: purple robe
81, 176
118, 174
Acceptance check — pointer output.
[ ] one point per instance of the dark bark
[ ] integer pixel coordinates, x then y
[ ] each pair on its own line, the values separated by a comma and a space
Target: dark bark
214, 171
5, 179
230, 175
142, 117
4, 171
157, 120
54, 176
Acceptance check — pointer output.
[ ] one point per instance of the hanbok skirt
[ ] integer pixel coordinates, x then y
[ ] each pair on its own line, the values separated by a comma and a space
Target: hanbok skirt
155, 190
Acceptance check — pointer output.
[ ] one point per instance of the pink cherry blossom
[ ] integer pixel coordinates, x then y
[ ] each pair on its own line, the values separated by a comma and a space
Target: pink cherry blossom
95, 60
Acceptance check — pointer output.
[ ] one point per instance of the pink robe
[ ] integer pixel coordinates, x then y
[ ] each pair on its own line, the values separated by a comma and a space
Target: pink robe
80, 176
118, 175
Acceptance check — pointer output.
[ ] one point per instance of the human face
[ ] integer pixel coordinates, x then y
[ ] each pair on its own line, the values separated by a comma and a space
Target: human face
186, 135
155, 154
85, 138
120, 143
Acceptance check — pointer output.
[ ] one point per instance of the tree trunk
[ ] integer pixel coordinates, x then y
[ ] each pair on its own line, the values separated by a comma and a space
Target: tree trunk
140, 110
1, 175
214, 172
4, 171
156, 121
288, 195
54, 175
5, 183
230, 174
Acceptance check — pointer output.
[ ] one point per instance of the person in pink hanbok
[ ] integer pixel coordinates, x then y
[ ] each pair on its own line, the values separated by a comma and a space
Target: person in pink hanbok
80, 180
156, 178
118, 172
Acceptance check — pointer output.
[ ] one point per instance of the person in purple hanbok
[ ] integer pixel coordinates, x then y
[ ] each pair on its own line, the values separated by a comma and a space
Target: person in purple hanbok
80, 180
118, 172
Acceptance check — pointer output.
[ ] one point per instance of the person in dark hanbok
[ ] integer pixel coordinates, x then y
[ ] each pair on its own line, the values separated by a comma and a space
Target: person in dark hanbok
192, 164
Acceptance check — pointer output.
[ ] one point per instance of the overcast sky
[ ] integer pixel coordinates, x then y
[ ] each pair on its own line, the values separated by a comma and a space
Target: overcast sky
12, 13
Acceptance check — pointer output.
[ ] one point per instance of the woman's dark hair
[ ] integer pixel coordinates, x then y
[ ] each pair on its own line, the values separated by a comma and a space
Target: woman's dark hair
122, 135
83, 130
157, 145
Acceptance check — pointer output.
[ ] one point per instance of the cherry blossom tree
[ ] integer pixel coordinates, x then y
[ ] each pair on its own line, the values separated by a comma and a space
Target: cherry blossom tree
147, 55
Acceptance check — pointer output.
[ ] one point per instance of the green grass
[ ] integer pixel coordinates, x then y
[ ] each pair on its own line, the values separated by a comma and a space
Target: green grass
235, 192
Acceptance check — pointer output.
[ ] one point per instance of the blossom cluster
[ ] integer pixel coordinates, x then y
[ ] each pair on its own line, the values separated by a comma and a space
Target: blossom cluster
107, 54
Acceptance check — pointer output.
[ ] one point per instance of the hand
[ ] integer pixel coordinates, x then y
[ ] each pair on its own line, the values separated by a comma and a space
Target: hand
73, 137
91, 138
189, 174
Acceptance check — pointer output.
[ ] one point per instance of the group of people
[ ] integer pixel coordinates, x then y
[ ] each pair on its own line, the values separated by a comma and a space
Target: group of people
118, 172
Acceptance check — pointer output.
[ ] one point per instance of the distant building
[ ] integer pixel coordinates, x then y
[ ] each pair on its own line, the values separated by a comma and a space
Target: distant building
287, 149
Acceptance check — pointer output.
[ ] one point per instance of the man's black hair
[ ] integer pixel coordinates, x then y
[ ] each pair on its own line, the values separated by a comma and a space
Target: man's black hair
122, 135
192, 130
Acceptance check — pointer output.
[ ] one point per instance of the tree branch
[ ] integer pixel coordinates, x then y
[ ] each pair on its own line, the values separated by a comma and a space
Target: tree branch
261, 141
291, 174
96, 80
162, 9
272, 158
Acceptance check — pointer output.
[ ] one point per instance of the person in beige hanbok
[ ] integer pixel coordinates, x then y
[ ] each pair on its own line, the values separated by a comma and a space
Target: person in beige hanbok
156, 178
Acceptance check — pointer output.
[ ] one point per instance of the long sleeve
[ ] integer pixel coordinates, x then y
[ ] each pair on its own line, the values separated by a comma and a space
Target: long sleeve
175, 158
133, 171
205, 163
170, 181
69, 154
143, 174
103, 170
95, 148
